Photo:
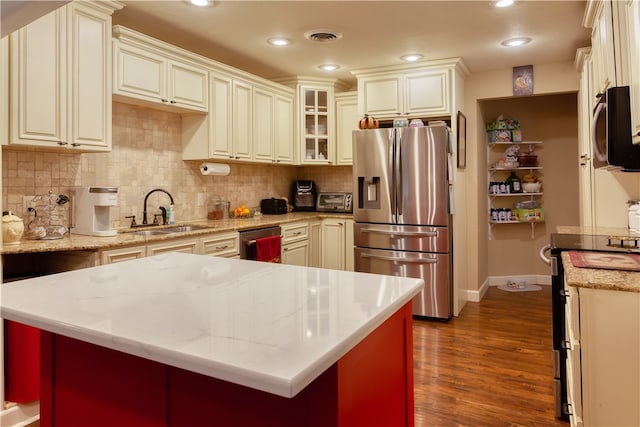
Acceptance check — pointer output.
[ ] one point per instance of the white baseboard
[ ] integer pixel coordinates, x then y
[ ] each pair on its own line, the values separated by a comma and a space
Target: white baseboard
537, 279
20, 415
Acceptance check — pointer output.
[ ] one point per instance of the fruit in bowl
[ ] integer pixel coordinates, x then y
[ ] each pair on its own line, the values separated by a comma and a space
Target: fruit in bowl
531, 187
242, 211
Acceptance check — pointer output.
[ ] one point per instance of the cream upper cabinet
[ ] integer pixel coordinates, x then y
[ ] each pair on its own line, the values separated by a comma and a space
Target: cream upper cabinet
602, 47
314, 116
586, 179
419, 94
427, 89
381, 96
633, 37
283, 129
272, 126
153, 72
346, 122
4, 90
220, 115
241, 119
247, 121
263, 123
60, 79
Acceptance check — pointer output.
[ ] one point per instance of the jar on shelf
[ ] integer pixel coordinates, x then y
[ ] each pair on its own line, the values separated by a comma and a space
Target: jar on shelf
514, 182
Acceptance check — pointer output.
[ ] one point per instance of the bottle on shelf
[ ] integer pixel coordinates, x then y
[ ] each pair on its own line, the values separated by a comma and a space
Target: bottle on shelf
514, 183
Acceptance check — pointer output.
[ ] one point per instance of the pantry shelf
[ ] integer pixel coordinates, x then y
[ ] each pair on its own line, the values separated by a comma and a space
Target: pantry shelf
497, 174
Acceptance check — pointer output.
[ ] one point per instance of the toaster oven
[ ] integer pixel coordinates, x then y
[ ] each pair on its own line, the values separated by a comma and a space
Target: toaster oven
334, 202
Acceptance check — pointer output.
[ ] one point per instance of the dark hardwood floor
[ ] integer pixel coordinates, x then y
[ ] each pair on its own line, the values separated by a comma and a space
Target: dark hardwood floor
491, 366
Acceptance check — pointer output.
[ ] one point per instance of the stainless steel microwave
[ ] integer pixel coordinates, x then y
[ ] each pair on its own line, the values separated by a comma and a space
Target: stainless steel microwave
611, 132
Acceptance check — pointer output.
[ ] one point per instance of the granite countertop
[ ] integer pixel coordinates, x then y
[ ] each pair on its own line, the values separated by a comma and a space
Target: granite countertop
599, 231
271, 327
615, 280
79, 242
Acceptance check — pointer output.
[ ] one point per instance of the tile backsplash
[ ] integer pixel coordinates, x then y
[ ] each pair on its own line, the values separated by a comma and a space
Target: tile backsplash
146, 155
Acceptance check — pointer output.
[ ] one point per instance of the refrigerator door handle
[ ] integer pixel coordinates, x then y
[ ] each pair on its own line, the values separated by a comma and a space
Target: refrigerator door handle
404, 260
398, 172
401, 233
392, 164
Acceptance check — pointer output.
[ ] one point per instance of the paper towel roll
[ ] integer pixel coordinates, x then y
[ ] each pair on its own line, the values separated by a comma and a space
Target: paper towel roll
214, 169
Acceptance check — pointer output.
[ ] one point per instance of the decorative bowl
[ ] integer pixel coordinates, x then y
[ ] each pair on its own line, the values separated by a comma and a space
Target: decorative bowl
531, 187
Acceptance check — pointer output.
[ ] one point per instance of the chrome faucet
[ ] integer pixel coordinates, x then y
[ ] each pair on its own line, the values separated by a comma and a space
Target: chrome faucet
144, 212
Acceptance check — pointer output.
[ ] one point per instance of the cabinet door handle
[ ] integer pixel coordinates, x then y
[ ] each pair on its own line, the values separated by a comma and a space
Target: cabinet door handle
62, 143
75, 144
172, 101
163, 100
585, 157
219, 248
566, 344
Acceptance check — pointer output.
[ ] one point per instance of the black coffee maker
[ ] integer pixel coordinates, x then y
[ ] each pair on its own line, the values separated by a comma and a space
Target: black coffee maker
303, 195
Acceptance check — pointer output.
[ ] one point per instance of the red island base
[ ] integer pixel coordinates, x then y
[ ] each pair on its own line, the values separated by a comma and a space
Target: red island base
88, 385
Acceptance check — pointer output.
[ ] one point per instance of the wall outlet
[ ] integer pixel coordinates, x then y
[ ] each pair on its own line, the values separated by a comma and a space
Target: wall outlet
27, 203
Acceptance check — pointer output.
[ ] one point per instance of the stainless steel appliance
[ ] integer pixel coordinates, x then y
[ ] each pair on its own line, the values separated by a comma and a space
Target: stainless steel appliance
611, 131
334, 202
248, 240
561, 243
402, 212
303, 195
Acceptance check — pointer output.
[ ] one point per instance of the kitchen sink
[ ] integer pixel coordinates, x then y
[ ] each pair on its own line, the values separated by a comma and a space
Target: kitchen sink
169, 230
183, 228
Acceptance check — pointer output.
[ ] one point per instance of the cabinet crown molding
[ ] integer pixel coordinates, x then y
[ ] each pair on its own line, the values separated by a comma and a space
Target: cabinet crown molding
456, 63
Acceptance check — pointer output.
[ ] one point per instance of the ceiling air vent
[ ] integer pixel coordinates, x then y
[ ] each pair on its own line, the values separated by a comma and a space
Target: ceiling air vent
322, 36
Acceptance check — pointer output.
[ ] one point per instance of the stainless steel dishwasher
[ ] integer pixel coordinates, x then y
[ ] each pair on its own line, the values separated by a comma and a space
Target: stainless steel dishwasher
248, 240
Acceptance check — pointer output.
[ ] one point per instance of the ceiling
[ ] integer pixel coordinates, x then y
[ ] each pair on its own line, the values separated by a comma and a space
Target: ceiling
374, 33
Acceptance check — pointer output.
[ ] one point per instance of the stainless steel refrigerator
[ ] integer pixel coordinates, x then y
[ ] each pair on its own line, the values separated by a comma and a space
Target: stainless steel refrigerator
402, 212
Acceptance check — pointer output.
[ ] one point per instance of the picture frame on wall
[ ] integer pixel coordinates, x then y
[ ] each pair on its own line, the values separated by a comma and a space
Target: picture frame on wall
462, 140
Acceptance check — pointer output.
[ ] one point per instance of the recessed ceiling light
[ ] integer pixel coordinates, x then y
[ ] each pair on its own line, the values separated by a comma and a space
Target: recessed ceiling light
518, 41
279, 41
411, 57
200, 2
503, 3
328, 67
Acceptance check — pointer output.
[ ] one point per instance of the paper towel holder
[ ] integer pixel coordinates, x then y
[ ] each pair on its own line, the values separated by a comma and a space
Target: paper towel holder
207, 168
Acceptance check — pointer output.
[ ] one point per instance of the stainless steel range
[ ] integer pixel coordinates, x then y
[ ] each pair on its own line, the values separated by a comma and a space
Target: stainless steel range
562, 243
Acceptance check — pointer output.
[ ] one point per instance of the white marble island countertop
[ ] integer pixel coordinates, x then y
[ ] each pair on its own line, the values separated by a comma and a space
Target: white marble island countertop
270, 327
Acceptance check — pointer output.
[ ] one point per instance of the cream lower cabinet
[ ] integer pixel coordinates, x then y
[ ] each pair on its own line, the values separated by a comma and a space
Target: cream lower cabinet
225, 244
60, 79
222, 244
602, 362
337, 244
295, 243
187, 245
111, 256
315, 243
157, 73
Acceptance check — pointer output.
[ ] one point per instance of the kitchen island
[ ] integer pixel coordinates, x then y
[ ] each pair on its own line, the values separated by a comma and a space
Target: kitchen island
180, 339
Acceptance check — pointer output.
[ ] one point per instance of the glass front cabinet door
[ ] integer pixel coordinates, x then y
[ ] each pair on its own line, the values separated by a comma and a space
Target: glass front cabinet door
317, 125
